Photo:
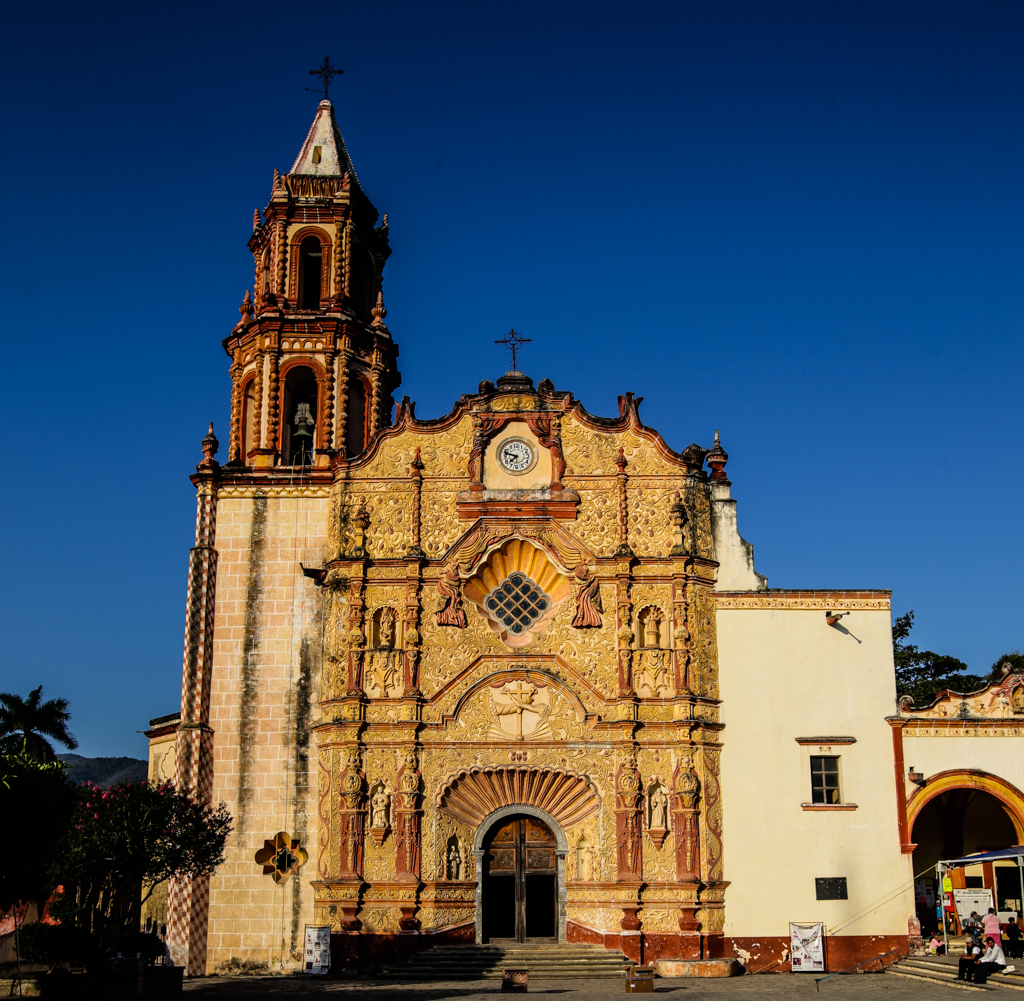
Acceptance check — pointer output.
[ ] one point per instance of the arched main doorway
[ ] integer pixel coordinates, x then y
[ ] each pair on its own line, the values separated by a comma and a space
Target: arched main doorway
520, 880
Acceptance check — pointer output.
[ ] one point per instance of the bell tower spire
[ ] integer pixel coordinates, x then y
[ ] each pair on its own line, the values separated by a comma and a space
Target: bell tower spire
313, 365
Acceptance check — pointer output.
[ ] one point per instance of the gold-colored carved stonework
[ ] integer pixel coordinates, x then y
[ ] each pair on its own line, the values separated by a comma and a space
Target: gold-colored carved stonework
553, 650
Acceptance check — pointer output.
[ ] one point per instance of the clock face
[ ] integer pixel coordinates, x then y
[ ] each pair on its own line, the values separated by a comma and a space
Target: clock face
516, 455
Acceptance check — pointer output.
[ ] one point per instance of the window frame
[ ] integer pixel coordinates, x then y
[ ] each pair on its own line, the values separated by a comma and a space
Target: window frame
825, 787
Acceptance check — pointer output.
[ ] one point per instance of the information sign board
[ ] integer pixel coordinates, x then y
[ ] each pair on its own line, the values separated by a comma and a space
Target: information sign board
807, 947
317, 958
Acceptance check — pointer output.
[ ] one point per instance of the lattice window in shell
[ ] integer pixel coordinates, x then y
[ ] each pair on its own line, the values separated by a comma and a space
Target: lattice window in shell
517, 603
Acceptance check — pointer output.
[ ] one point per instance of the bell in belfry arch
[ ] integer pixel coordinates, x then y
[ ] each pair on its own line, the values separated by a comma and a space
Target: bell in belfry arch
303, 436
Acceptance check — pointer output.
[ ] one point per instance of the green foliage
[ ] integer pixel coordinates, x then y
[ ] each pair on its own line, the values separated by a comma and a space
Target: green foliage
37, 801
26, 723
56, 944
1015, 660
922, 674
127, 839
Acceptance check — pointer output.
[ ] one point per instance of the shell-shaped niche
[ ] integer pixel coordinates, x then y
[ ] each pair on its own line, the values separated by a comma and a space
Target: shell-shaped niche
517, 590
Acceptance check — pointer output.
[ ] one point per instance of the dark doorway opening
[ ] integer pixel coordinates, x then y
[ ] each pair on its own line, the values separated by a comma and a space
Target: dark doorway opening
520, 881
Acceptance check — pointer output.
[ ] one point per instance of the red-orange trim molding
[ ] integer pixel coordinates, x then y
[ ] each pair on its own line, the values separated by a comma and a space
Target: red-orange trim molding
906, 847
964, 778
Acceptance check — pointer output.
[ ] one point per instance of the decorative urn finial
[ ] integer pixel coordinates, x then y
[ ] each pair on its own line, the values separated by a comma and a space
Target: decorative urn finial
210, 446
379, 312
716, 460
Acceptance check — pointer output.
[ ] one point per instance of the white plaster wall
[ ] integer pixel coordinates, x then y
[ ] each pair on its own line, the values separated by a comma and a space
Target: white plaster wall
998, 755
784, 673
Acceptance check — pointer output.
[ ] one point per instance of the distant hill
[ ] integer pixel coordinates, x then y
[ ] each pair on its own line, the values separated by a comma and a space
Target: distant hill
105, 771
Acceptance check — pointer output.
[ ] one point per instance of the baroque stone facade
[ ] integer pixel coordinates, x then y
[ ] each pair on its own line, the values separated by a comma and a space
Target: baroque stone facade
424, 656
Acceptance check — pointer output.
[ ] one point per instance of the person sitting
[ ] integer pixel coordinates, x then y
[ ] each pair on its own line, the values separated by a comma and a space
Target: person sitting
936, 946
993, 961
990, 926
1013, 939
969, 960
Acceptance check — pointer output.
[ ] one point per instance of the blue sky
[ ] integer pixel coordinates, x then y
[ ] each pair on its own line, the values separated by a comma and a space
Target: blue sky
797, 222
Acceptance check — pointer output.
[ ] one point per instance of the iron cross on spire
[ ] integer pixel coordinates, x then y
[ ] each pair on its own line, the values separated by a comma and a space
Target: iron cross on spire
514, 342
325, 73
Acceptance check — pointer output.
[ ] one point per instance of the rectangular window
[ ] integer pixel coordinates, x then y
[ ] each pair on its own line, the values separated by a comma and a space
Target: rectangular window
830, 888
825, 780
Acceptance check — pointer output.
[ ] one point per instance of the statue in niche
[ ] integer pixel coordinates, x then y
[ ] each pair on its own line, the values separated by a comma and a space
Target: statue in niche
588, 599
449, 589
657, 814
585, 861
659, 808
455, 859
379, 808
651, 679
383, 679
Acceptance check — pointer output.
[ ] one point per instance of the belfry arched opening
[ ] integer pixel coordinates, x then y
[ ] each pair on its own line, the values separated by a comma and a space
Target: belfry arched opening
520, 881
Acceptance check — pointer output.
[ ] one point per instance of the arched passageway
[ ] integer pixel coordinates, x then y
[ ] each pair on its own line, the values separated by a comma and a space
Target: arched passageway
952, 816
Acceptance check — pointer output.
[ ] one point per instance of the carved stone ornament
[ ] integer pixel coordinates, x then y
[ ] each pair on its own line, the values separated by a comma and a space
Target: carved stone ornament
517, 589
449, 590
588, 599
281, 856
380, 813
519, 709
657, 814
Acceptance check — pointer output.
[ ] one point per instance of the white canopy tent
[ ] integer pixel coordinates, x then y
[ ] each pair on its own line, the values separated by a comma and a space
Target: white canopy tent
1015, 854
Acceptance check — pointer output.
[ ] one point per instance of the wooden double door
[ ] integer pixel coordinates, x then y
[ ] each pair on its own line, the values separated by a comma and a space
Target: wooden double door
520, 898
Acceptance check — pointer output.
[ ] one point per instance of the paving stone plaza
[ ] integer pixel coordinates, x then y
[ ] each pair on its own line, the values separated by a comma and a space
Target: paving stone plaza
782, 985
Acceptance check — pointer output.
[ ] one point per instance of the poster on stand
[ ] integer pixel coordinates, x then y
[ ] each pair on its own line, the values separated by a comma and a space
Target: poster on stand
317, 958
807, 947
971, 900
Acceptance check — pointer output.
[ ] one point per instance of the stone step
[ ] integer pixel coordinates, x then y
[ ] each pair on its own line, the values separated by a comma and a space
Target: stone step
931, 978
545, 961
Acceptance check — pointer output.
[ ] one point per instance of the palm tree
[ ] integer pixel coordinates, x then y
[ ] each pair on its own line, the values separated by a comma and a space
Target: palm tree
26, 723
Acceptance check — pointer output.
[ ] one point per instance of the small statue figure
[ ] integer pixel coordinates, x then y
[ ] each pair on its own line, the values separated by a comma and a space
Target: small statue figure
454, 861
659, 809
379, 808
588, 599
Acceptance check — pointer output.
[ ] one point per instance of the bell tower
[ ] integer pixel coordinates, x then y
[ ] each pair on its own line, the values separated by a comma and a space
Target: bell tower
313, 365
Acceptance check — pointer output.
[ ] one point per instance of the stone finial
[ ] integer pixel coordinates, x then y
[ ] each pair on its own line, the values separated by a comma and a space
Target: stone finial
716, 460
620, 460
379, 312
277, 179
257, 223
384, 222
210, 446
246, 309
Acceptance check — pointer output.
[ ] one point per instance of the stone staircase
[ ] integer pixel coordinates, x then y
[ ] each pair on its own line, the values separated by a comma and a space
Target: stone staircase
943, 969
485, 962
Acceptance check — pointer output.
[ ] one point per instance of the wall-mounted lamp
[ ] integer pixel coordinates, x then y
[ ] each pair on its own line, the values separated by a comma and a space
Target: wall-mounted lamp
833, 617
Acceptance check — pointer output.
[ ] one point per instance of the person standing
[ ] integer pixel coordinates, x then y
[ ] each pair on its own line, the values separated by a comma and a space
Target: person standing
993, 961
990, 926
1013, 937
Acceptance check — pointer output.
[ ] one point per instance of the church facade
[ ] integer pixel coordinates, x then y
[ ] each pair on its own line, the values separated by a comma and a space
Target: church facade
505, 674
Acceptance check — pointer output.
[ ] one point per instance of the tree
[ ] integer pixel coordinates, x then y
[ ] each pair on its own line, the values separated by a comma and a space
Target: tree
25, 725
37, 800
922, 674
126, 840
1014, 659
